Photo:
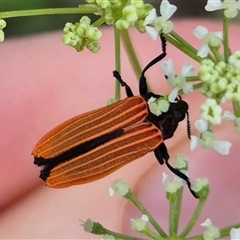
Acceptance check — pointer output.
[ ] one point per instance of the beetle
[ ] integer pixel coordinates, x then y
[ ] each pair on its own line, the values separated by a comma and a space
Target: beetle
92, 145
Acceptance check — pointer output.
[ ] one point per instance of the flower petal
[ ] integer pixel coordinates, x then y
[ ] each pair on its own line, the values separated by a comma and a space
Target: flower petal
235, 233
200, 32
229, 116
152, 15
203, 51
219, 34
167, 67
173, 95
194, 142
187, 70
188, 88
167, 9
222, 147
206, 223
213, 5
152, 32
201, 125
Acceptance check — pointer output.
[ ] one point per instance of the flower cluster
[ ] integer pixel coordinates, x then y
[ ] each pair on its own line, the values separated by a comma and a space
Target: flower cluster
2, 26
221, 80
82, 34
124, 14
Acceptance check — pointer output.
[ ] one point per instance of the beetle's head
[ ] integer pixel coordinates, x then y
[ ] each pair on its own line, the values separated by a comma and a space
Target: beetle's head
167, 122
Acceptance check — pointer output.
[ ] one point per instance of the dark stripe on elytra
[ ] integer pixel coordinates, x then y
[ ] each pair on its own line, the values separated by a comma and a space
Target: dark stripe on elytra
74, 152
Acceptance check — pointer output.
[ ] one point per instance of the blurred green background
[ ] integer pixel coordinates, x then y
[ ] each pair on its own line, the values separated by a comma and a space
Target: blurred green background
29, 25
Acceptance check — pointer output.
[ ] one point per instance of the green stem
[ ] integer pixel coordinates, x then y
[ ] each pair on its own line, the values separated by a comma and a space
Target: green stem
117, 62
216, 54
194, 218
151, 234
127, 43
99, 22
192, 78
225, 231
135, 201
50, 11
172, 228
174, 39
183, 42
120, 236
236, 108
182, 48
197, 86
225, 38
178, 208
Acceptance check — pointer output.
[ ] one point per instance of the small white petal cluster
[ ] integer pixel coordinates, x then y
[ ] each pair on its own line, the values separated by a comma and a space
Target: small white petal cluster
181, 162
158, 106
177, 82
172, 186
82, 34
212, 39
139, 224
198, 184
156, 25
124, 14
2, 26
120, 187
212, 232
230, 7
211, 111
207, 139
221, 80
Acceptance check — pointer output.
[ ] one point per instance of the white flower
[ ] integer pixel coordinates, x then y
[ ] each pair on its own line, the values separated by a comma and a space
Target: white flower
171, 186
230, 7
155, 25
199, 184
177, 81
235, 234
139, 224
181, 162
212, 232
158, 106
213, 39
120, 187
211, 111
207, 139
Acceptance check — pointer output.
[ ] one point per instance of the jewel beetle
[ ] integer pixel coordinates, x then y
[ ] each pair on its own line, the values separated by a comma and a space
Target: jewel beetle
92, 145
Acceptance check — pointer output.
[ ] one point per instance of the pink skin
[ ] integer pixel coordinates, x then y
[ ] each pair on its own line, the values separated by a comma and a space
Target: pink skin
44, 83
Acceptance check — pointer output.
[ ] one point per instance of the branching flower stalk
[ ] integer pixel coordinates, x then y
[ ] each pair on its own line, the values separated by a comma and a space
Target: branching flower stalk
218, 78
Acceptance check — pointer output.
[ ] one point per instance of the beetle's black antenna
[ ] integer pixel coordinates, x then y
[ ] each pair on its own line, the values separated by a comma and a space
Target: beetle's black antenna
188, 126
143, 83
158, 58
123, 84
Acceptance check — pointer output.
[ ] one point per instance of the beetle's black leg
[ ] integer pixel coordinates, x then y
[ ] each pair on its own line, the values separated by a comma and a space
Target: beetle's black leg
142, 82
123, 84
161, 154
181, 175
